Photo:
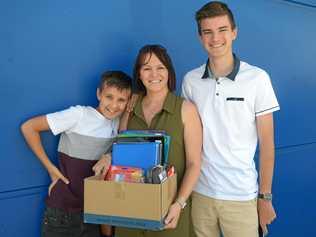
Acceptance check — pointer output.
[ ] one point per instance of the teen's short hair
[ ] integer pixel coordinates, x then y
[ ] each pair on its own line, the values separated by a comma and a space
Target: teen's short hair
161, 53
214, 9
117, 79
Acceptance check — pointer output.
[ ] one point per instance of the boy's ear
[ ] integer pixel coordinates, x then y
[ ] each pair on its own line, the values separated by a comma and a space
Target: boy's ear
98, 94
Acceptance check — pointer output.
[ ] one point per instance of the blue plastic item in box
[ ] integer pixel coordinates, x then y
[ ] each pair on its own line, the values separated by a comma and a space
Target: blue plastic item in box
143, 155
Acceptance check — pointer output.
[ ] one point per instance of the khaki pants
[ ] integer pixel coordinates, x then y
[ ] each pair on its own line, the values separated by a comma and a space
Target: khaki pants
231, 218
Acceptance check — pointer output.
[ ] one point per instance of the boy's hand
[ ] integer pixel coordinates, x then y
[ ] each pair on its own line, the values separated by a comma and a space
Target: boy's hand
129, 108
55, 174
103, 165
131, 103
173, 215
52, 184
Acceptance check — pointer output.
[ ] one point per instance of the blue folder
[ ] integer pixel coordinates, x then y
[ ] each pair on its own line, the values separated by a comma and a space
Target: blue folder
143, 155
145, 136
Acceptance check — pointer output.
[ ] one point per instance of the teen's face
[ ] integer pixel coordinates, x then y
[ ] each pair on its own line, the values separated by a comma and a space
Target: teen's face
217, 36
154, 74
112, 101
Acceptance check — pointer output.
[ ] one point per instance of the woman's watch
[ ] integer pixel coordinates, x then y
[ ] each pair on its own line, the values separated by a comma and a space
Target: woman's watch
265, 196
181, 202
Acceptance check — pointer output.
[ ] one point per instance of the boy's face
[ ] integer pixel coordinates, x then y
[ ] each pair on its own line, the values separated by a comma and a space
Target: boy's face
112, 101
217, 36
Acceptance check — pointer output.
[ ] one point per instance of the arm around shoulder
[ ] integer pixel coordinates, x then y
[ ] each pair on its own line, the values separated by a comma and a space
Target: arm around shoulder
126, 115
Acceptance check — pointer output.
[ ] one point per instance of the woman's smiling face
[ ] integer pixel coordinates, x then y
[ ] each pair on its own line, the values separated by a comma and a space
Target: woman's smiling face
154, 74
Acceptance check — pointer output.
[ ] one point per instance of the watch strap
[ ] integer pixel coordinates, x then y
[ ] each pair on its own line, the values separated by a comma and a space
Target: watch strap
265, 196
181, 202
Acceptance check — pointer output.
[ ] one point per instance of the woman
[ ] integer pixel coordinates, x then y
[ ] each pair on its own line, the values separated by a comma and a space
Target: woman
158, 108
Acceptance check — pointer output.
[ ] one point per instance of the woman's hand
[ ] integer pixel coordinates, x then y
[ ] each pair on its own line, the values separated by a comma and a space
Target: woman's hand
103, 165
173, 215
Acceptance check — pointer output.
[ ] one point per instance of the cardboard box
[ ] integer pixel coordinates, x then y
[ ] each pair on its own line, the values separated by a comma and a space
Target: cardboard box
133, 205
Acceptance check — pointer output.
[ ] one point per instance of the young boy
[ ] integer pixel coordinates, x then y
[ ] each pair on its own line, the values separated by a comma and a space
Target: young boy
86, 134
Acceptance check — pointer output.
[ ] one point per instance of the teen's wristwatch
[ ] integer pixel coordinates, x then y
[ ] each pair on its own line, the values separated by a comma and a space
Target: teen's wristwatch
265, 196
181, 202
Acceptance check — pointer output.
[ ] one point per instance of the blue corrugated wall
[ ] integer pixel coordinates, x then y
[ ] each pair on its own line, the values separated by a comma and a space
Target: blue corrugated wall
52, 52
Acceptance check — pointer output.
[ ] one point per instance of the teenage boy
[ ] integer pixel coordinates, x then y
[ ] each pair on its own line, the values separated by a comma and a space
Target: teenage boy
86, 134
235, 101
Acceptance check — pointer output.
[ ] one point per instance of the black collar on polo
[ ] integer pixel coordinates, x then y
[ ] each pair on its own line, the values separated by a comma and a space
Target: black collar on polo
231, 75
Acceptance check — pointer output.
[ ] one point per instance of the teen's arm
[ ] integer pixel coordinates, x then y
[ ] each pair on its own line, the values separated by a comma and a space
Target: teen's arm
193, 147
266, 156
31, 131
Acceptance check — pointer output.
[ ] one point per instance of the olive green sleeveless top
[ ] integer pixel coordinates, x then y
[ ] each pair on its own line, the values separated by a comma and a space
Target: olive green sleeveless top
168, 119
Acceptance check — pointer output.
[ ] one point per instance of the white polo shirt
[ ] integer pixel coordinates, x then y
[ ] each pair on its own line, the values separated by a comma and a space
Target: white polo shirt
228, 108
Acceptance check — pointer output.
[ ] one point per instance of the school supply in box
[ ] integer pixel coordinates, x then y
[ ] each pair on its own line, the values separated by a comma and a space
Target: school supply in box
125, 174
156, 175
143, 155
159, 137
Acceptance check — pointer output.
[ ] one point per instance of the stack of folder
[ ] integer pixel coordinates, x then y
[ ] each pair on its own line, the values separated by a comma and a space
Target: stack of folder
141, 148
